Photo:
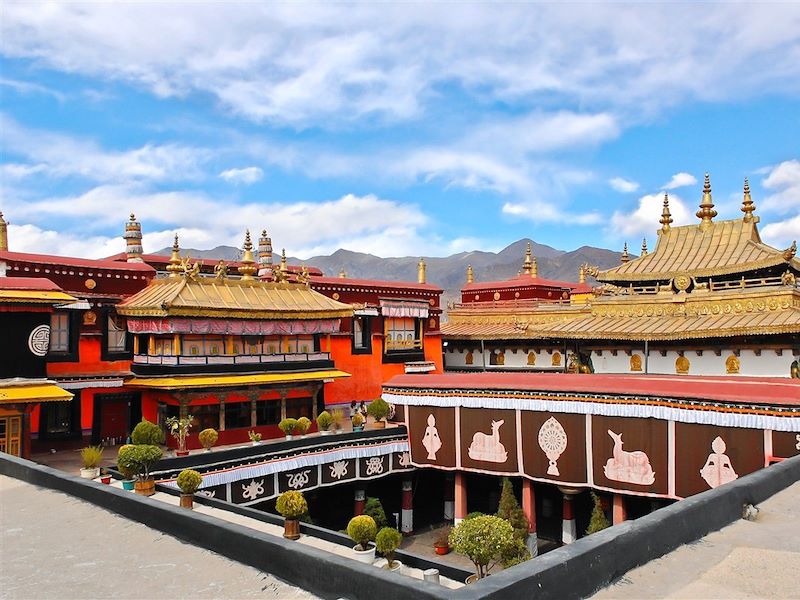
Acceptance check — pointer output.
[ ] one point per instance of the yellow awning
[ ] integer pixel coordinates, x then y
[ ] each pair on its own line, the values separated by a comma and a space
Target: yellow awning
41, 392
191, 382
35, 296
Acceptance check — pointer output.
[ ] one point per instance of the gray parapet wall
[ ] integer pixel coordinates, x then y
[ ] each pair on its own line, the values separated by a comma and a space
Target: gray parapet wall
573, 571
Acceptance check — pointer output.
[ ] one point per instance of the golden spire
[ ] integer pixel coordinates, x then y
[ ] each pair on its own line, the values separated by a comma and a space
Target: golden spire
284, 268
527, 263
666, 218
625, 257
534, 268
582, 274
706, 212
264, 256
248, 267
421, 271
133, 240
748, 206
174, 267
470, 275
342, 274
644, 246
3, 233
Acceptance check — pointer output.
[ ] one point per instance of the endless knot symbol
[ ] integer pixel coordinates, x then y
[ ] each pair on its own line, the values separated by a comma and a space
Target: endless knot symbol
797, 445
39, 340
374, 466
252, 490
297, 480
338, 469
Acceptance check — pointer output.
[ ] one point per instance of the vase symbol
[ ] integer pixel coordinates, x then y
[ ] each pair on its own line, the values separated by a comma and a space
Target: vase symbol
718, 468
553, 442
431, 439
487, 446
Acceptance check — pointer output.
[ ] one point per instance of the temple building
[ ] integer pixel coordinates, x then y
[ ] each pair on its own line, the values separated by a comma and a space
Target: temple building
711, 299
238, 354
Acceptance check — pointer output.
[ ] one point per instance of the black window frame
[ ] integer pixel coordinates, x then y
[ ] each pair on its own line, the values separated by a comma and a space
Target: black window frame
74, 319
105, 353
366, 335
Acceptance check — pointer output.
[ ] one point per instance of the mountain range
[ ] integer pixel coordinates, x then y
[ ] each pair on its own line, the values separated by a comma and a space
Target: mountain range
448, 272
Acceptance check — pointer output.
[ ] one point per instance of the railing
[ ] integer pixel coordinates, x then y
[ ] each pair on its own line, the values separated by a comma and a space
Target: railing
242, 359
510, 304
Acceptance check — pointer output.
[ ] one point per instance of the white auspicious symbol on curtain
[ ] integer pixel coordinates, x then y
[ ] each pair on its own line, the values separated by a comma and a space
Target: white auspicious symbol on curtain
718, 468
374, 466
209, 493
404, 459
628, 467
487, 447
252, 490
431, 439
297, 480
338, 469
797, 445
553, 442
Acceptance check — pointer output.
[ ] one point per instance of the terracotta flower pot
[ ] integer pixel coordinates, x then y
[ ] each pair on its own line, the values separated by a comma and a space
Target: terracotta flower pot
187, 501
379, 425
291, 529
181, 453
106, 479
442, 550
145, 488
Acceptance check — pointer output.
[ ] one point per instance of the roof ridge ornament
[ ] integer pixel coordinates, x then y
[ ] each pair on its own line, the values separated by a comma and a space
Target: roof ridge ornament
527, 263
248, 267
666, 217
625, 256
3, 233
790, 252
470, 274
644, 246
706, 213
748, 206
421, 268
174, 268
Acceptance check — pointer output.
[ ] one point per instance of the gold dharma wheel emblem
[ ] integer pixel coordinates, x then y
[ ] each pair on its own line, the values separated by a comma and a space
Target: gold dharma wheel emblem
682, 282
90, 284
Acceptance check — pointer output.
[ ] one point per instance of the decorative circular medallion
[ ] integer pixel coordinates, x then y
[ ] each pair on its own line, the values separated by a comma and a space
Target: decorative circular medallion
335, 296
39, 340
682, 282
90, 284
431, 301
497, 295
89, 317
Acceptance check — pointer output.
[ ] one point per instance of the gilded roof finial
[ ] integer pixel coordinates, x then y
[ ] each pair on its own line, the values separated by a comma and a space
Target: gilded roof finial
748, 206
644, 246
133, 239
534, 268
527, 263
421, 271
342, 274
666, 217
284, 268
625, 256
3, 233
582, 274
470, 275
706, 212
175, 267
248, 267
265, 256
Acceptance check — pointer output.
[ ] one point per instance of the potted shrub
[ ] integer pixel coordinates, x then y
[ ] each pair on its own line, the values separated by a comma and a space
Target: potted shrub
387, 542
91, 456
208, 437
362, 530
148, 433
139, 458
324, 423
292, 505
179, 428
126, 470
337, 414
255, 437
442, 545
303, 425
358, 422
288, 427
378, 409
484, 540
189, 481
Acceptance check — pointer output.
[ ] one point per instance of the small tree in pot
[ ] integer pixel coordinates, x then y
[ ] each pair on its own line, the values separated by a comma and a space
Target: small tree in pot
189, 481
324, 422
292, 505
208, 437
485, 540
139, 459
127, 472
362, 531
179, 428
91, 457
388, 541
358, 422
378, 409
303, 425
288, 426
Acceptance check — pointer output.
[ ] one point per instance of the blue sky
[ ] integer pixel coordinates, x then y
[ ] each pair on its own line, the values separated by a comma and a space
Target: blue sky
392, 129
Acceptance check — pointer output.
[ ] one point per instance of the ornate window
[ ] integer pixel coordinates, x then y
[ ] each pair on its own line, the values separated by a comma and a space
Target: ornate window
59, 332
403, 333
116, 336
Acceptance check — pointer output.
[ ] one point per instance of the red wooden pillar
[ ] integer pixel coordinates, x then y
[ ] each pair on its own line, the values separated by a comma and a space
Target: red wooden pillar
529, 508
360, 503
407, 508
449, 497
460, 497
619, 514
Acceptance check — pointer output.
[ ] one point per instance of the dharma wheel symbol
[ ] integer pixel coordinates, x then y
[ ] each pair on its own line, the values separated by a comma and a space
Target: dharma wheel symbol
553, 442
39, 340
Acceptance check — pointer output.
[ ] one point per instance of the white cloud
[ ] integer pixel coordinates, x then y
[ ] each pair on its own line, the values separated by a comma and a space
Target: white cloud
246, 175
784, 181
782, 233
623, 185
28, 88
681, 179
644, 220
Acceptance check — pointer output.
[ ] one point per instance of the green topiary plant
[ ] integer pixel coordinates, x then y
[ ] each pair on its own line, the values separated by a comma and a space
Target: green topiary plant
147, 433
378, 409
91, 456
474, 514
337, 414
374, 509
208, 437
324, 421
291, 505
484, 540
598, 520
288, 426
125, 469
189, 481
510, 510
139, 459
387, 542
362, 531
357, 420
303, 425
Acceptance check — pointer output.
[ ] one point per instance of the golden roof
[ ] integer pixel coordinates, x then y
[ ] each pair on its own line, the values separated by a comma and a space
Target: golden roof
722, 248
25, 391
231, 299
